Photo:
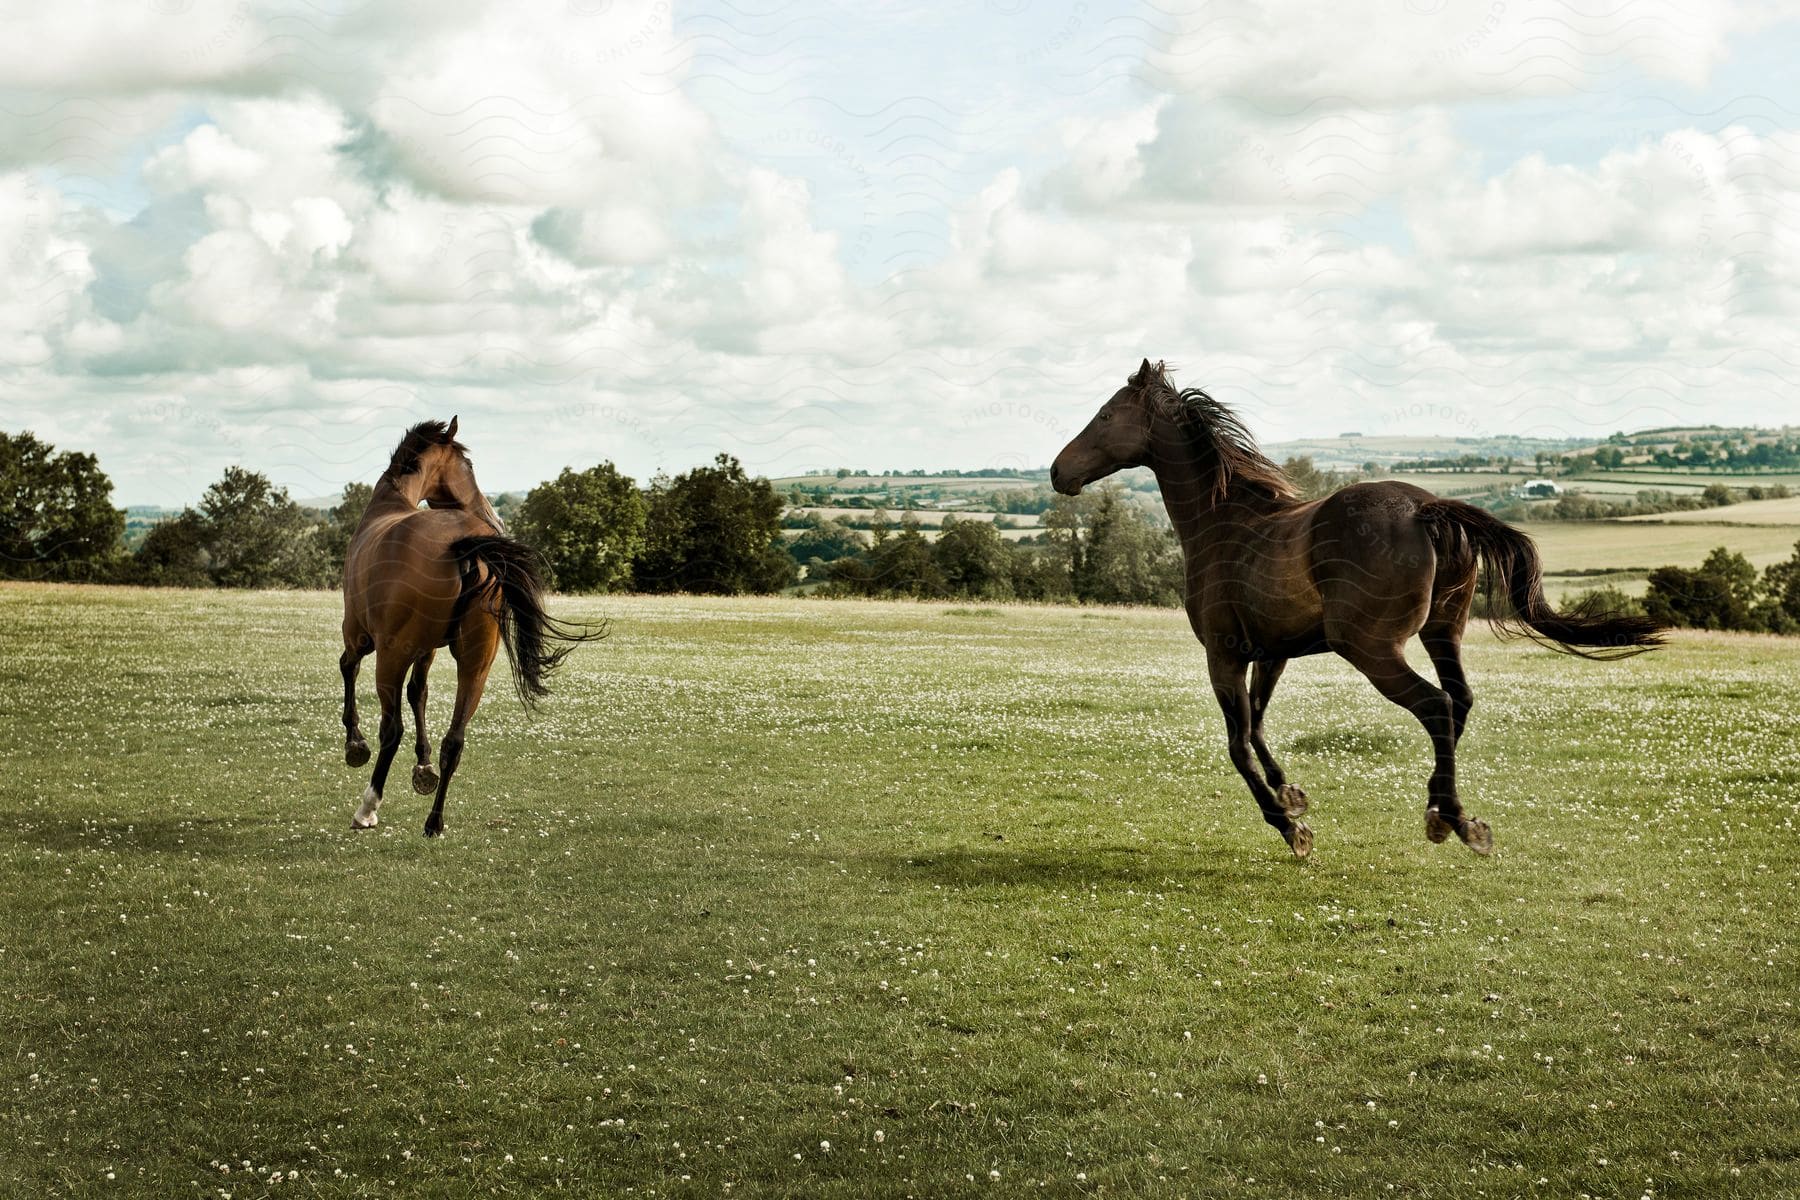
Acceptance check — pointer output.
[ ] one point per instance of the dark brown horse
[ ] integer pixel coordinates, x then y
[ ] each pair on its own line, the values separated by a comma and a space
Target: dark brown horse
1271, 577
419, 578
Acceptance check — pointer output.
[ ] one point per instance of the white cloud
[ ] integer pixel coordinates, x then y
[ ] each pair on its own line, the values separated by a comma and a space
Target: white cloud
244, 225
1288, 55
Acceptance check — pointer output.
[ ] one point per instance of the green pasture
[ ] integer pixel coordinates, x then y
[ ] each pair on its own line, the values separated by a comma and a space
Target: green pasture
1750, 512
783, 897
1583, 554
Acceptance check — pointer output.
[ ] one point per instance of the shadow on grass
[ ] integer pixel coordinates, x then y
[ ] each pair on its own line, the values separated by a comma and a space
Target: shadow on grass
1060, 869
145, 835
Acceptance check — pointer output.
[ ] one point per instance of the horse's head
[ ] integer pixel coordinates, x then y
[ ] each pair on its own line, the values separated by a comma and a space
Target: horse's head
1118, 437
441, 473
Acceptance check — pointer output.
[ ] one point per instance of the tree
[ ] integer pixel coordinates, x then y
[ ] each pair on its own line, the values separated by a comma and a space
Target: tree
1038, 574
1779, 609
1063, 522
341, 521
506, 506
901, 564
257, 537
823, 540
173, 554
1721, 593
713, 530
56, 515
1314, 483
588, 525
1126, 560
973, 560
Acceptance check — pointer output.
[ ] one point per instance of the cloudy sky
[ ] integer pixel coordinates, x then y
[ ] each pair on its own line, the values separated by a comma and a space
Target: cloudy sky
881, 233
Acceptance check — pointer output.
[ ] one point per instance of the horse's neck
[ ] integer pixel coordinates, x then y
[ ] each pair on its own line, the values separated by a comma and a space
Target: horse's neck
1195, 507
470, 500
403, 495
1190, 495
392, 496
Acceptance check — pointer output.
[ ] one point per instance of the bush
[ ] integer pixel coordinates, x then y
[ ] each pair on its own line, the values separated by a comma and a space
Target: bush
1606, 600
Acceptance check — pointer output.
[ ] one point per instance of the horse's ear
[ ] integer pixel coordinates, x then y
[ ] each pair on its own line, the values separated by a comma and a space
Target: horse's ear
452, 430
1143, 375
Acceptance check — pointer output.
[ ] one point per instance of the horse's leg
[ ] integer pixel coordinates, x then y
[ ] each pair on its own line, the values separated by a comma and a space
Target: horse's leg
1387, 669
356, 751
390, 673
477, 638
424, 778
1264, 675
1445, 647
1234, 700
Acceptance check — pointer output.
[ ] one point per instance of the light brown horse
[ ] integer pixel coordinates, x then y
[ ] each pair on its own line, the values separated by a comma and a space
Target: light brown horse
419, 578
1271, 577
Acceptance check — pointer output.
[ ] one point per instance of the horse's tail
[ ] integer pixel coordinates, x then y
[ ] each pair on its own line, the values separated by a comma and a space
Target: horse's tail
536, 642
1515, 587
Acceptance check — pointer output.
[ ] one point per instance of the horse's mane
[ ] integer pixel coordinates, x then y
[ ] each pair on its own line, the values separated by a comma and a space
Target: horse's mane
418, 439
1220, 437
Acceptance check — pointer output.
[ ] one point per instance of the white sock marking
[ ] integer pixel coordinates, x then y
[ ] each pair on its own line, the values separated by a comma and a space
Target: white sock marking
364, 817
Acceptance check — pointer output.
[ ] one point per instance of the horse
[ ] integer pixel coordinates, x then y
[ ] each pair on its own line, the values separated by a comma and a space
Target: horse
420, 578
1271, 577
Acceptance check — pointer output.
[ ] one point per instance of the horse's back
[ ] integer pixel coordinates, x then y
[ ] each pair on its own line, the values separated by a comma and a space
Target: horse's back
402, 579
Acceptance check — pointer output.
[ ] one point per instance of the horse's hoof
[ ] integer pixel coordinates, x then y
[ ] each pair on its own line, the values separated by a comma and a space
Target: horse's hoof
434, 826
424, 779
356, 753
1293, 799
1476, 835
1436, 828
365, 815
1299, 839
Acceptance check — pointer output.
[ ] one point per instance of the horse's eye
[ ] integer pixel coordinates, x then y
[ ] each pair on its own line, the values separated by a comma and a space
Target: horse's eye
1106, 414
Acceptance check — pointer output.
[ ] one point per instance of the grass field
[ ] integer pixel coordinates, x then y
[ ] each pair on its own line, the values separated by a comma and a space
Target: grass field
1575, 551
1456, 483
783, 897
1680, 482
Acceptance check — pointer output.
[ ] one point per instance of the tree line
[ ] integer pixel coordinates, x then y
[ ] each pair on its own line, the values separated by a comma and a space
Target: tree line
713, 530
1727, 592
1584, 506
1099, 548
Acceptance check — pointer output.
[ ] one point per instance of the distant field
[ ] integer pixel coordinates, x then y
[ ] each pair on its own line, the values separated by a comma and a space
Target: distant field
1612, 484
844, 900
929, 518
1678, 481
1615, 488
1636, 547
1455, 483
1355, 450
931, 533
1749, 512
857, 484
